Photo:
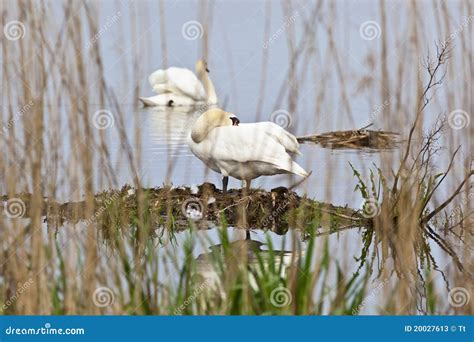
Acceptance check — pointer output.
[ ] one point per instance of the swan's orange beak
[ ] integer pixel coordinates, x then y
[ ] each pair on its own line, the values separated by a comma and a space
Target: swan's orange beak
235, 121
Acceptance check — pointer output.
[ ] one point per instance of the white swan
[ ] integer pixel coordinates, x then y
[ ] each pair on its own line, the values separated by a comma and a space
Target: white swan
244, 151
181, 87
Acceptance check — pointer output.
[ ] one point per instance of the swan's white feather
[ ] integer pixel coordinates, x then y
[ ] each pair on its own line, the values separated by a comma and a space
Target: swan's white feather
284, 137
248, 151
180, 81
164, 100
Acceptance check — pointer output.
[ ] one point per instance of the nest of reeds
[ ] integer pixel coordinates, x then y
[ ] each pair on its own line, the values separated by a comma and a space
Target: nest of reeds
354, 139
201, 207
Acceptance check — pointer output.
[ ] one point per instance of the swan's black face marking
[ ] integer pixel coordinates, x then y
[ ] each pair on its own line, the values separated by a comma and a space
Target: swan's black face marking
207, 69
170, 103
235, 121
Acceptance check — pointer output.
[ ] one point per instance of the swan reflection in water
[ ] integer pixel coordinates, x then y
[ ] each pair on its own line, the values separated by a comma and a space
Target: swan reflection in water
243, 253
168, 129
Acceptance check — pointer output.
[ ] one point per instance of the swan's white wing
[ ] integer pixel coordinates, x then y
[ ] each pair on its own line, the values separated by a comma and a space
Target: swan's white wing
165, 88
157, 77
187, 83
169, 99
246, 144
284, 137
159, 82
177, 81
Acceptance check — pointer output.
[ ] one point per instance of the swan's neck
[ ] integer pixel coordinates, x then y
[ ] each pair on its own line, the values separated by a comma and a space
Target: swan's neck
207, 122
208, 88
200, 130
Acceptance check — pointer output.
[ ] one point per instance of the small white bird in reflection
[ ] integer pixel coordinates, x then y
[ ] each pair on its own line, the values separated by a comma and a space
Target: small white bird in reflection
243, 151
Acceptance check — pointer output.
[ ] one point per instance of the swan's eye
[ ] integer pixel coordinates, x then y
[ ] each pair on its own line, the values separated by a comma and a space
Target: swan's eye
235, 121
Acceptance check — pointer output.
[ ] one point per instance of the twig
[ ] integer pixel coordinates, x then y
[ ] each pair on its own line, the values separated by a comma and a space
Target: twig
329, 232
342, 216
442, 55
428, 217
236, 203
365, 127
428, 197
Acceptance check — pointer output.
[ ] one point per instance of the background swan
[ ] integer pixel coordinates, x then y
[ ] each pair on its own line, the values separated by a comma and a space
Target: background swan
181, 87
244, 151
